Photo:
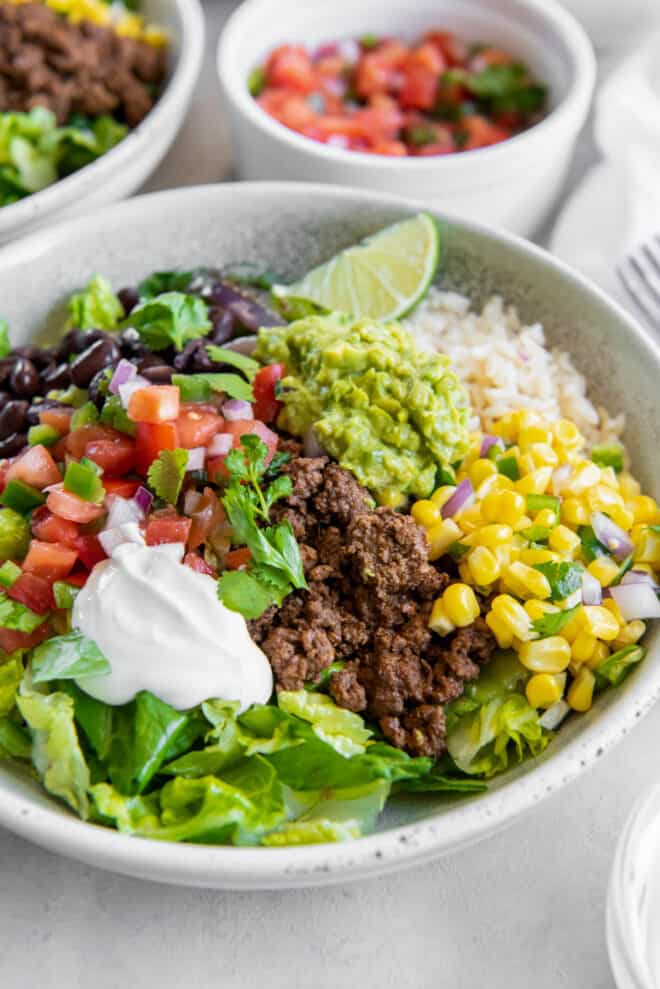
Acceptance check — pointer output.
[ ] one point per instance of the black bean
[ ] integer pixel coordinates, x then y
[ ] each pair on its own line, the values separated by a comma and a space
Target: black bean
102, 353
56, 376
6, 368
12, 418
129, 299
149, 360
130, 343
224, 325
75, 341
158, 374
13, 444
24, 379
183, 360
5, 397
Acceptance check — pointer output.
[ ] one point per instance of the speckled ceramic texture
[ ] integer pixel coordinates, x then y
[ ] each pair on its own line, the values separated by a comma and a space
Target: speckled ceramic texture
123, 169
292, 227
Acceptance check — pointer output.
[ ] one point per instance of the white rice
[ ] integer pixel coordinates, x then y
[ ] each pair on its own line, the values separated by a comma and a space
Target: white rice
507, 366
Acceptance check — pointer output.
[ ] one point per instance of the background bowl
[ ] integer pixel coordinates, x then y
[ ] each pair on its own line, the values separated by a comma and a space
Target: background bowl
613, 26
292, 227
513, 184
123, 169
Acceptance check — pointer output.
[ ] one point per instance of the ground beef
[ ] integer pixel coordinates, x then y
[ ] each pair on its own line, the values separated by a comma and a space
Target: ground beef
371, 589
74, 68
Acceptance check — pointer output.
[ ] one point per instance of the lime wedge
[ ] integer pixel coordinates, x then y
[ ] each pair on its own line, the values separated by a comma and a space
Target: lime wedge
383, 277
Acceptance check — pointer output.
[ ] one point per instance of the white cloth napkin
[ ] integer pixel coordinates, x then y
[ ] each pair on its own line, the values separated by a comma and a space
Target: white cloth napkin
617, 205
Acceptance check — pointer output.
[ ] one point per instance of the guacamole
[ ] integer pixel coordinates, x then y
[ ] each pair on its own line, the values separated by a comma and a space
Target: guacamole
386, 410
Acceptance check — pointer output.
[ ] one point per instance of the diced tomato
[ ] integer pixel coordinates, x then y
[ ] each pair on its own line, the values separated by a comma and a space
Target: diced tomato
421, 71
378, 71
290, 66
487, 57
122, 487
166, 526
78, 578
10, 641
58, 418
266, 406
154, 404
481, 133
78, 440
50, 528
197, 425
150, 439
35, 467
198, 564
453, 49
207, 516
238, 559
34, 592
90, 550
58, 450
70, 506
114, 456
53, 561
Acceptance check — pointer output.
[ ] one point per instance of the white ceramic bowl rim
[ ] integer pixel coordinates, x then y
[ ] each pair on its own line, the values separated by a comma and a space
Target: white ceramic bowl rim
179, 84
574, 105
387, 851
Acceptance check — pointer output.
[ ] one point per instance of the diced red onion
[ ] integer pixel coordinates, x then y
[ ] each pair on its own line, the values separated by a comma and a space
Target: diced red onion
349, 50
461, 498
311, 445
125, 371
639, 577
611, 536
220, 445
110, 539
488, 442
122, 510
560, 477
243, 345
636, 601
132, 533
196, 458
338, 141
235, 409
127, 389
191, 500
337, 87
574, 599
553, 717
143, 499
592, 592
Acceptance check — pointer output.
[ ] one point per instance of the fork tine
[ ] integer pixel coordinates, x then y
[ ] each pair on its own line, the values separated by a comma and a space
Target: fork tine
645, 277
652, 316
652, 258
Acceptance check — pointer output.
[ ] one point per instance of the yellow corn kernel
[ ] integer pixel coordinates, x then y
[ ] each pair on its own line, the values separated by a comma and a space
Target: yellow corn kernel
545, 689
629, 486
601, 498
573, 627
504, 555
581, 692
574, 511
426, 514
547, 517
507, 507
582, 647
531, 435
564, 541
630, 634
610, 605
493, 535
533, 556
491, 483
543, 455
644, 509
584, 476
439, 621
530, 417
507, 427
536, 482
464, 572
522, 524
537, 609
645, 568
470, 518
514, 616
525, 582
502, 483
442, 495
599, 655
441, 536
551, 655
604, 569
483, 566
621, 516
480, 470
568, 435
526, 463
609, 477
647, 547
461, 605
500, 630
599, 622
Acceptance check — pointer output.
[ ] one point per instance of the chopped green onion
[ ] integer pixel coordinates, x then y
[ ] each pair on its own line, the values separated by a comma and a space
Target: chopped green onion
69, 396
508, 466
256, 81
43, 435
608, 455
21, 497
83, 480
592, 548
458, 550
536, 534
539, 502
86, 415
9, 573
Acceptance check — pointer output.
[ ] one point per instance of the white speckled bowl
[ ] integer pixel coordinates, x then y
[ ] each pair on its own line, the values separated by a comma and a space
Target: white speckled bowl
123, 169
292, 227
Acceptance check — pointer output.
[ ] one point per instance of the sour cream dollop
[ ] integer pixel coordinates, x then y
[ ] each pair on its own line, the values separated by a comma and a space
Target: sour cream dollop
162, 628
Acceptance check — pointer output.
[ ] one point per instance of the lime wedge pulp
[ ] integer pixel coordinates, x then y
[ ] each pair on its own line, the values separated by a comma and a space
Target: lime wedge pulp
383, 277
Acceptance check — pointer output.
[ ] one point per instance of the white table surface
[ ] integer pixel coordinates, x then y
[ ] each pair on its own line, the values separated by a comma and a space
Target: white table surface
523, 909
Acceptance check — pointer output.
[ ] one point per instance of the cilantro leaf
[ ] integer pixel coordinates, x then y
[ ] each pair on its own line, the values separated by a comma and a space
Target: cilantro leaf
280, 488
165, 476
564, 578
553, 622
18, 617
248, 273
198, 387
277, 463
243, 591
220, 355
96, 307
613, 670
164, 281
67, 657
5, 346
170, 319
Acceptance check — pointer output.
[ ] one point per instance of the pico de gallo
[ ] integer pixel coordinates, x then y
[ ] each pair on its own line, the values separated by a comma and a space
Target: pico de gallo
380, 95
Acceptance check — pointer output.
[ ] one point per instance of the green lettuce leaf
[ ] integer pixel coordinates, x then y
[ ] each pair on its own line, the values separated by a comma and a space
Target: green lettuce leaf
342, 729
56, 752
18, 617
15, 743
5, 344
331, 815
96, 307
170, 319
14, 534
68, 657
11, 674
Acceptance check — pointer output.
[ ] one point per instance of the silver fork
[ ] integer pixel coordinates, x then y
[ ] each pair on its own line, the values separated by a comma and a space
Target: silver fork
639, 273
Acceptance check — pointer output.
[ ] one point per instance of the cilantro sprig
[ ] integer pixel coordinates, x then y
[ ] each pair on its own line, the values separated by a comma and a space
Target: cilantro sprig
166, 473
276, 568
